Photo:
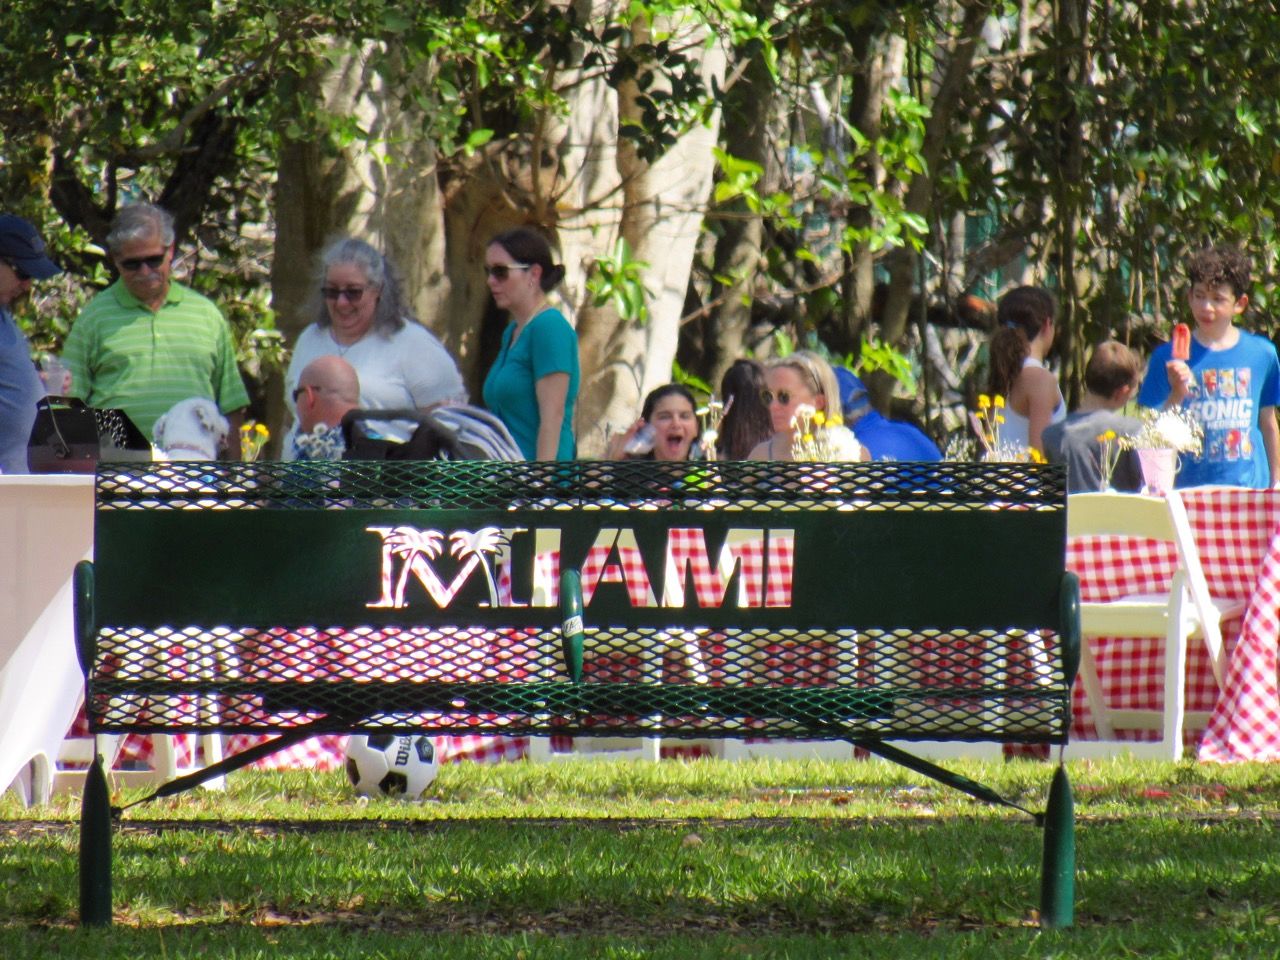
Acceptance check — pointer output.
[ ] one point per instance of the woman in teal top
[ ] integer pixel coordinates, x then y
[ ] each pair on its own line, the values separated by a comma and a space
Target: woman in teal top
533, 385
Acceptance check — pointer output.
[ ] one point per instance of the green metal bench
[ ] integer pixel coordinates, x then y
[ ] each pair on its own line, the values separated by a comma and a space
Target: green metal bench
859, 602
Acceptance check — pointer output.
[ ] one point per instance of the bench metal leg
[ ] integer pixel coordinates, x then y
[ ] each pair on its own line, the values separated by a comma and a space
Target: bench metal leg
1058, 876
95, 849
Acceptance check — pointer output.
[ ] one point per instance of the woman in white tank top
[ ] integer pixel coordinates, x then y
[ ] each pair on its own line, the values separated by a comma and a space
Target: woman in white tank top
1023, 338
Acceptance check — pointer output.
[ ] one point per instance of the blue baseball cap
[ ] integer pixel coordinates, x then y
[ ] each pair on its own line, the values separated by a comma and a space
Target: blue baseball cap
854, 399
20, 245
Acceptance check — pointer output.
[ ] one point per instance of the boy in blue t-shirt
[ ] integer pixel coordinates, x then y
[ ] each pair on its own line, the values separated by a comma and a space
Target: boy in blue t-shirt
1231, 383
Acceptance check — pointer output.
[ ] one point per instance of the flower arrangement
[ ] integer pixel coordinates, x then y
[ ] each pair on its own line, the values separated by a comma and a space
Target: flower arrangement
1110, 446
816, 439
253, 437
987, 425
1171, 429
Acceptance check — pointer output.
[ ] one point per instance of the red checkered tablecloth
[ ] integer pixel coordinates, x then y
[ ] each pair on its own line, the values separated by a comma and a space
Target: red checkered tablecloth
1238, 535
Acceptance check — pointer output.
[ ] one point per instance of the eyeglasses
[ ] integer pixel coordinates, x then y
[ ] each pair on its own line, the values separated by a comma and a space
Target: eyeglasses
17, 270
134, 264
500, 271
352, 295
782, 396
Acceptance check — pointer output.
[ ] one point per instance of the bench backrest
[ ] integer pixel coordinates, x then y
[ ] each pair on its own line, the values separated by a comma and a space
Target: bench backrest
696, 574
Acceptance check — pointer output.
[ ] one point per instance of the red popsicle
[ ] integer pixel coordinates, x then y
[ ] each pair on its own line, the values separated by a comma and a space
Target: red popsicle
1181, 341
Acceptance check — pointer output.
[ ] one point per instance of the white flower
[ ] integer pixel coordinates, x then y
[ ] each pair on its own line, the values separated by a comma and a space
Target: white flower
1171, 429
803, 415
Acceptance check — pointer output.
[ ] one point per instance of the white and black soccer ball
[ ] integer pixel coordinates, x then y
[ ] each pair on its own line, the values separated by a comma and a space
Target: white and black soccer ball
386, 765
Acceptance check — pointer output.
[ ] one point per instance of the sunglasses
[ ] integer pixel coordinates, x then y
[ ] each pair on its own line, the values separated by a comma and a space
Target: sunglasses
500, 271
300, 391
782, 396
352, 295
134, 264
17, 270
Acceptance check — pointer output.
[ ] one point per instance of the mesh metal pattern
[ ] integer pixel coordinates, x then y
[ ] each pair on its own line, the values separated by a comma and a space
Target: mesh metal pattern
624, 485
684, 684
647, 671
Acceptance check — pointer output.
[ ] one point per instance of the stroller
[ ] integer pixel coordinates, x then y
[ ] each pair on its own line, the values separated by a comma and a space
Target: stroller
449, 432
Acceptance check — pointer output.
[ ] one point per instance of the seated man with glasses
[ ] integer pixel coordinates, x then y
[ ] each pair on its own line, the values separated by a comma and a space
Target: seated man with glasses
327, 388
147, 341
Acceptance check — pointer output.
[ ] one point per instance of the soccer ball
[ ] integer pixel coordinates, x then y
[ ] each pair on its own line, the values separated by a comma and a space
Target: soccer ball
385, 765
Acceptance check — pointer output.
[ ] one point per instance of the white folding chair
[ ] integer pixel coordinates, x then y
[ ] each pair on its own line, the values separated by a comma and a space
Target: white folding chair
1185, 612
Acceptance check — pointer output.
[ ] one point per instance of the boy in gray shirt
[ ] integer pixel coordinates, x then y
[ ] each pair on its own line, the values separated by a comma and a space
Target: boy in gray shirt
1111, 379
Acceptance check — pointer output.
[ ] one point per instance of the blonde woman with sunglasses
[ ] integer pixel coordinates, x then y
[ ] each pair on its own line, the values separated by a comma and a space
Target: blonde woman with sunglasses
802, 378
362, 316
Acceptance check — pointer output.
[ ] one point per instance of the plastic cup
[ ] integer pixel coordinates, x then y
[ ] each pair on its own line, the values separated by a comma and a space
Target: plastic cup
56, 376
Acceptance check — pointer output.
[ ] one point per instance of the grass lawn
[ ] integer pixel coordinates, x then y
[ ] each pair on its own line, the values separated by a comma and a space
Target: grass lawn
678, 859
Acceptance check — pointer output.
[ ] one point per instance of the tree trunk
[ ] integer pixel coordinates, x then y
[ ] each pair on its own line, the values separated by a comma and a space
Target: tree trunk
385, 191
719, 337
952, 76
661, 211
877, 64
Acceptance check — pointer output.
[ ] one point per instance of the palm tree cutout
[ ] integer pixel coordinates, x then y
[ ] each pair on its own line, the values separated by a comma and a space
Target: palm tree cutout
409, 543
479, 545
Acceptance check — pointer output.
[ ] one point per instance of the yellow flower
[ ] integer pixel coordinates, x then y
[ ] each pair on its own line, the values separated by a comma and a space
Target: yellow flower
999, 402
261, 430
999, 418
807, 438
983, 401
1036, 455
835, 421
819, 418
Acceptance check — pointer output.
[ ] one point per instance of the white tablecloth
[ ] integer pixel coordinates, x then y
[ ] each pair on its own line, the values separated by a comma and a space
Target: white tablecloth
46, 526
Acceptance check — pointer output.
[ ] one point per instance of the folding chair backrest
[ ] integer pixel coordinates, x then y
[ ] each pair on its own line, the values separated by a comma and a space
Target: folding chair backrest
1155, 518
1120, 514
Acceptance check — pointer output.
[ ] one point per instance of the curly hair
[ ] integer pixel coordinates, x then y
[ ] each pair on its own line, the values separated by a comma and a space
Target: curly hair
1216, 266
393, 310
1020, 316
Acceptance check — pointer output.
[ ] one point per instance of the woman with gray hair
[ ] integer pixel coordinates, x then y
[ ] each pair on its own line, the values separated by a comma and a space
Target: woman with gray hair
362, 315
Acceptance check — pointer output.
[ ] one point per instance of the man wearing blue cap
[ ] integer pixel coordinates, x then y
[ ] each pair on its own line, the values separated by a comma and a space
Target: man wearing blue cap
884, 439
22, 260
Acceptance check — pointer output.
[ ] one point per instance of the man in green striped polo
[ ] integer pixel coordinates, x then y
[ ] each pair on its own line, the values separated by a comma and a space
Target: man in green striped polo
147, 342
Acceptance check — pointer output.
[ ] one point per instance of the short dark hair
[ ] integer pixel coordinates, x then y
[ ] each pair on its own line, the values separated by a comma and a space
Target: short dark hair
1112, 366
1221, 265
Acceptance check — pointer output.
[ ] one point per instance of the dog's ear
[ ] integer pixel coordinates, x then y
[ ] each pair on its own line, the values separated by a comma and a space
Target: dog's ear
211, 421
157, 432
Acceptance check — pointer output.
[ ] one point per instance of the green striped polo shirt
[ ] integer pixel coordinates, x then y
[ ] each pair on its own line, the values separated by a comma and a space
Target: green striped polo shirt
123, 356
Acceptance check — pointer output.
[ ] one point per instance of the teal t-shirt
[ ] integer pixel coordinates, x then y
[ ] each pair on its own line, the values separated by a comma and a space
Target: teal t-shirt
547, 345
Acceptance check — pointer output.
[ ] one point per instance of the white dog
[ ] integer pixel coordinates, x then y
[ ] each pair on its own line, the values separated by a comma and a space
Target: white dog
192, 429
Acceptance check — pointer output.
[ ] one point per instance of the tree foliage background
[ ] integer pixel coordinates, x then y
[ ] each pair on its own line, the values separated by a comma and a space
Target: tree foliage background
720, 176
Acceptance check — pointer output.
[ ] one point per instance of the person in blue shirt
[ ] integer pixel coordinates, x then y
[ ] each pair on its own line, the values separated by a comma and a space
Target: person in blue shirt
22, 260
884, 439
532, 387
1230, 383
